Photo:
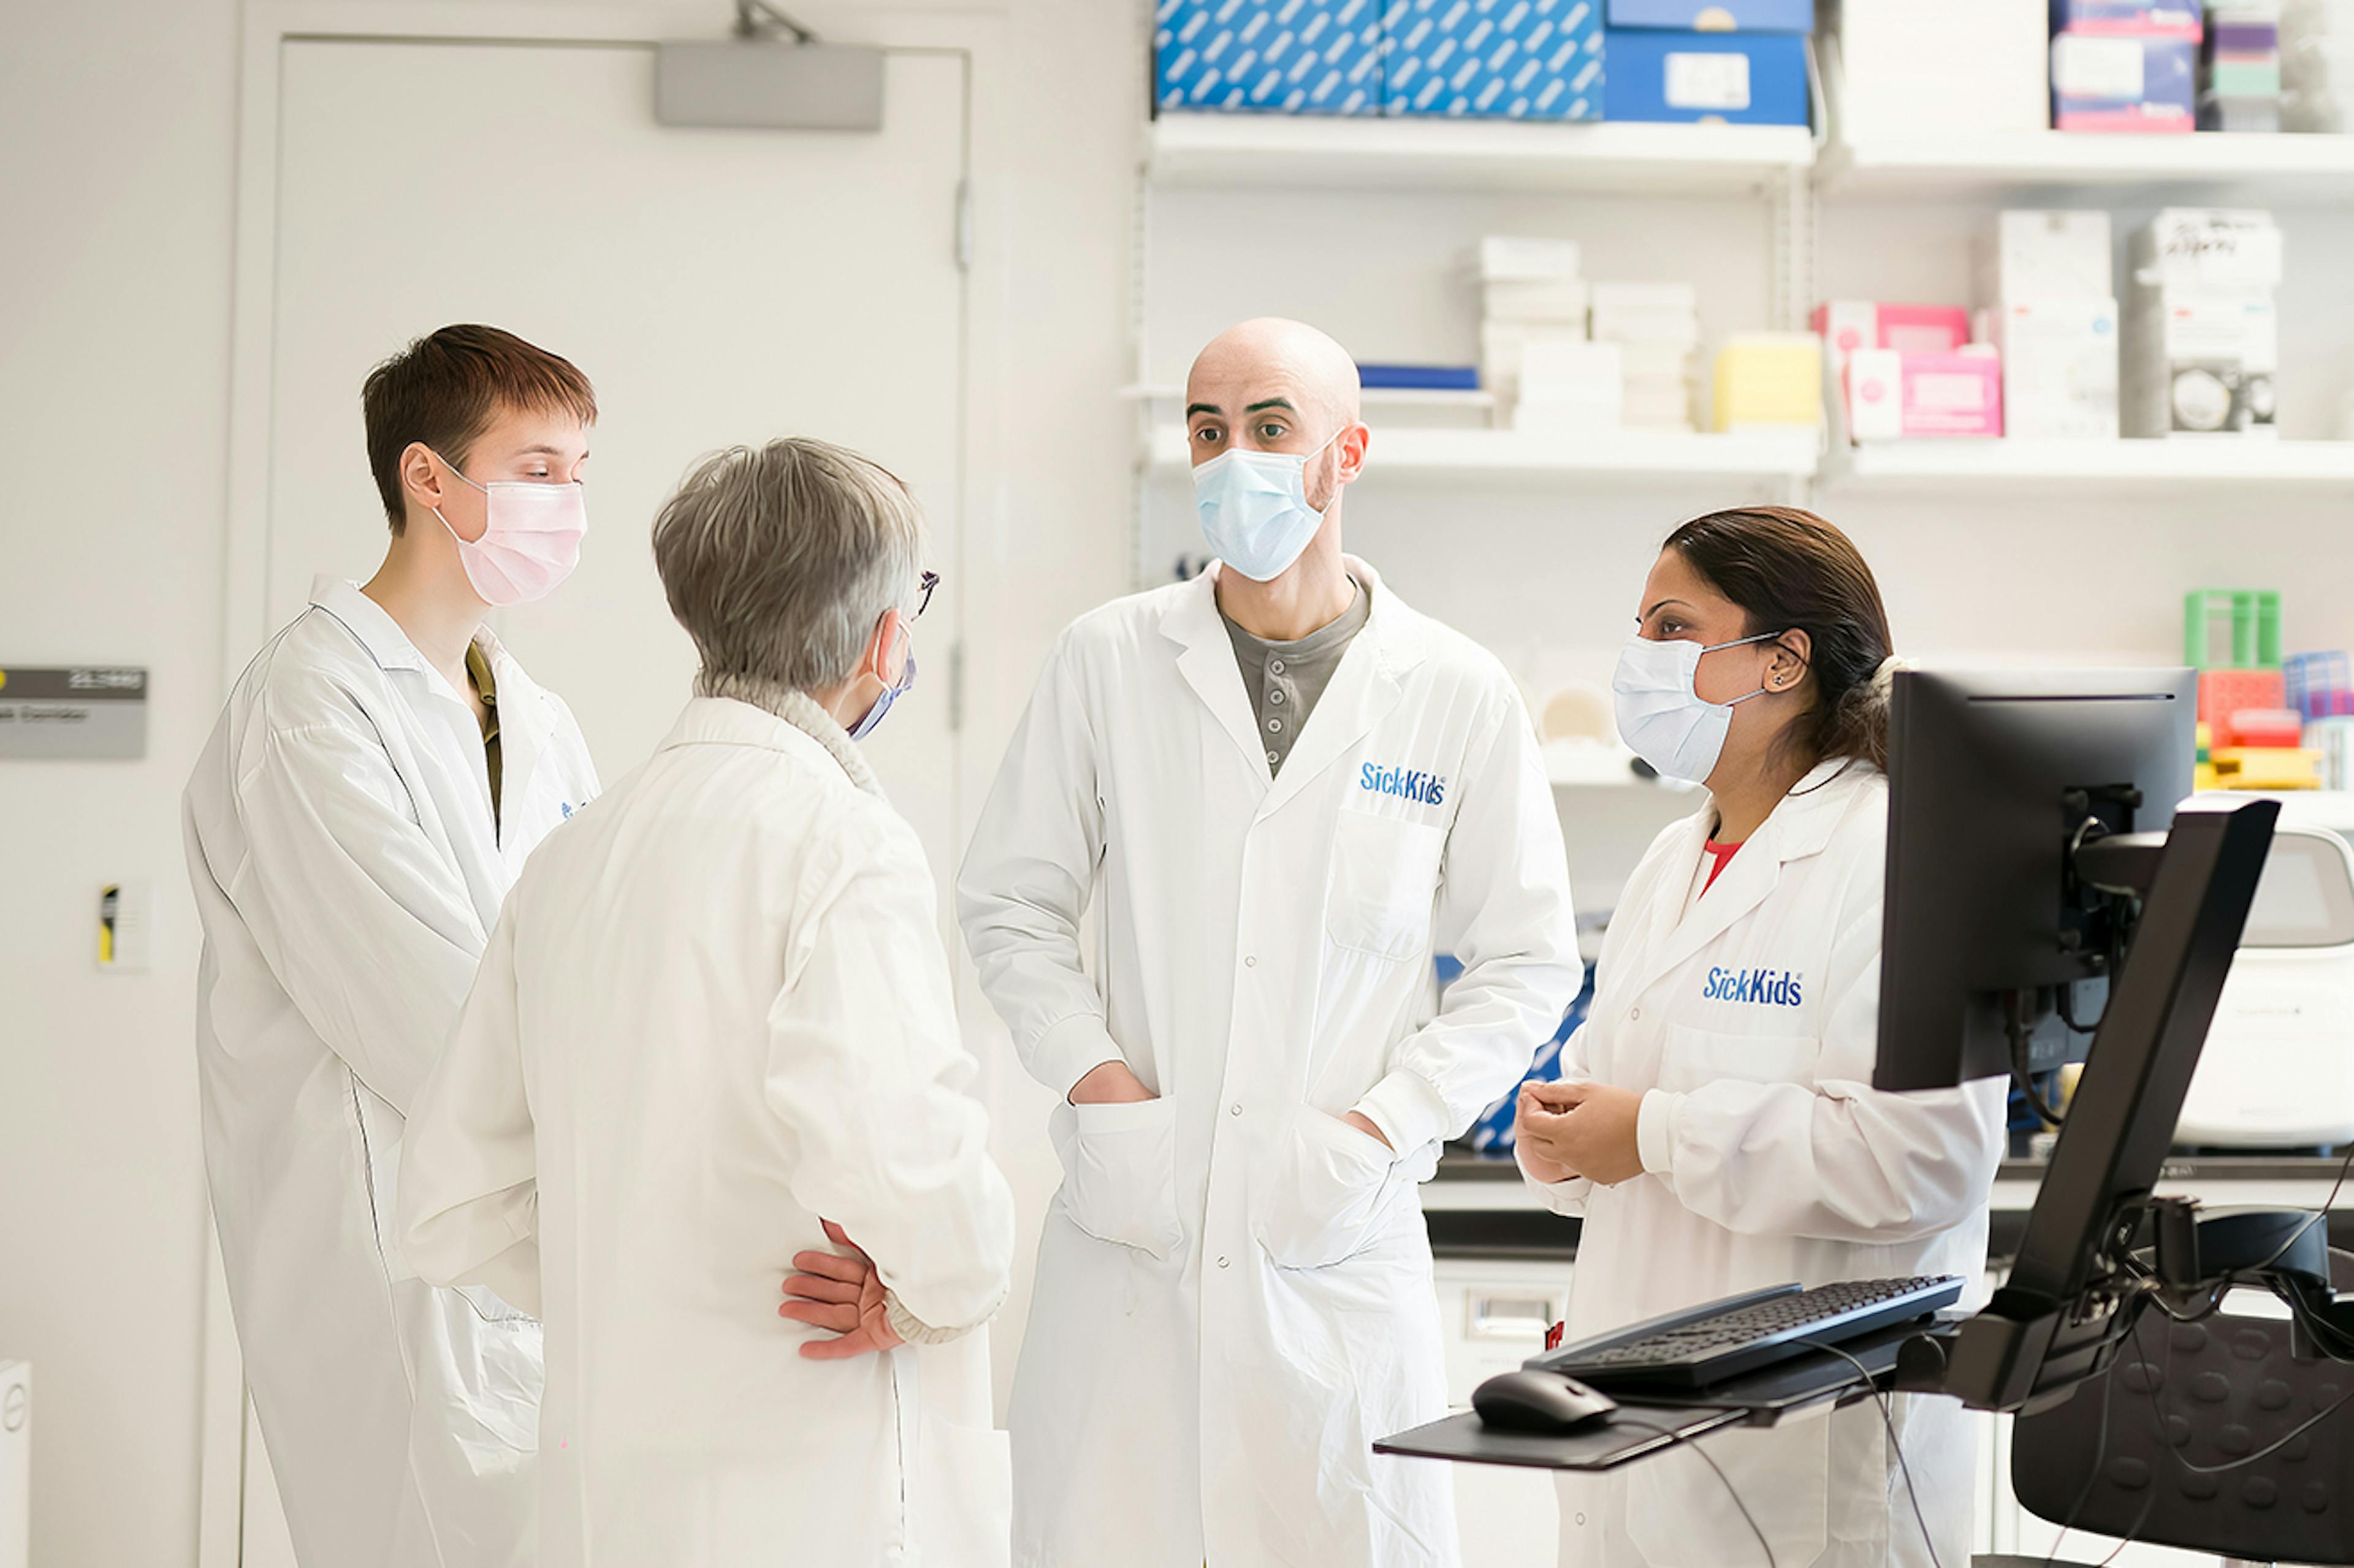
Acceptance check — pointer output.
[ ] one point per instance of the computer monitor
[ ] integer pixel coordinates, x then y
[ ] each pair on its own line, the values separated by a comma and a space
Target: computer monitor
1987, 933
2038, 870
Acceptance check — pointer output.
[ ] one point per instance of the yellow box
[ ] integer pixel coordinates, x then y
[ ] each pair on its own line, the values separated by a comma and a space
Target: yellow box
1773, 380
2268, 767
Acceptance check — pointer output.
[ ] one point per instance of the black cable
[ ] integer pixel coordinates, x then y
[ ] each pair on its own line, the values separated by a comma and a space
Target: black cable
1888, 1419
1620, 1418
2100, 1453
2016, 1028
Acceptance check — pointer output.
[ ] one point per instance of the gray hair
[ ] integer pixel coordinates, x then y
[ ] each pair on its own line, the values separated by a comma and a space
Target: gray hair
779, 562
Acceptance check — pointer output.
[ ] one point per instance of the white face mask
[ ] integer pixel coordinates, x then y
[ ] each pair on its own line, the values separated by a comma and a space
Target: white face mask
1254, 508
1661, 717
530, 540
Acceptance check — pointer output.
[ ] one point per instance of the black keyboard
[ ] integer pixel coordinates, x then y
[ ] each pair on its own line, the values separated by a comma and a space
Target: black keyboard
1741, 1334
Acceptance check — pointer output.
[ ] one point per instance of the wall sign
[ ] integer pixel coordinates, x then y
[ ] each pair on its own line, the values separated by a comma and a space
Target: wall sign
87, 711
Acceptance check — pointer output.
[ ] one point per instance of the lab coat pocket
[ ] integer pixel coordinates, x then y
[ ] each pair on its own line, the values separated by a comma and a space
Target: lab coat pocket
1327, 1194
1698, 1056
960, 1512
1120, 1174
1678, 1515
1385, 878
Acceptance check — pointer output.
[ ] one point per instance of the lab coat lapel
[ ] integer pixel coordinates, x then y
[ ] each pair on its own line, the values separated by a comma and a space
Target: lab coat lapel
526, 726
1800, 826
1366, 686
1206, 660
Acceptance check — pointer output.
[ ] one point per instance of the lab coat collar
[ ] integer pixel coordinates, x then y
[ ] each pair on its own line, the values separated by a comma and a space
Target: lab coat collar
368, 622
1367, 683
803, 730
1801, 826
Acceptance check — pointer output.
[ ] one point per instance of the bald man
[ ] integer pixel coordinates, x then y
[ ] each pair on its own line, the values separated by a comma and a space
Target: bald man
1285, 794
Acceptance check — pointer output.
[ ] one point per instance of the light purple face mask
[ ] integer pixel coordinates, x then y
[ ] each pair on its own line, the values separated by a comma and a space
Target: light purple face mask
531, 538
891, 694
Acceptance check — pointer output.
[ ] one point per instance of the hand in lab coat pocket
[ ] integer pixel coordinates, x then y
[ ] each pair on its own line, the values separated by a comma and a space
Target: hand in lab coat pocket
1325, 1193
1119, 1172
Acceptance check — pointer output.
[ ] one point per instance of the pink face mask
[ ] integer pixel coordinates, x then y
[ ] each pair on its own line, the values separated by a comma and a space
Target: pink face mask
531, 539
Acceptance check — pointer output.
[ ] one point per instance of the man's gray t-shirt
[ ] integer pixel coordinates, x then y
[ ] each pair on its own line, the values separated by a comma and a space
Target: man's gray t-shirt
1285, 678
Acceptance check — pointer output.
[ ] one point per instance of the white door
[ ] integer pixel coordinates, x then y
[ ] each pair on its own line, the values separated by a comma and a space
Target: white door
717, 286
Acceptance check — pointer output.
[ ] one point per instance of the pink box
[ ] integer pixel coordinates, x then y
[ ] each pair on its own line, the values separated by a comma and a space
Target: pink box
1846, 326
1891, 395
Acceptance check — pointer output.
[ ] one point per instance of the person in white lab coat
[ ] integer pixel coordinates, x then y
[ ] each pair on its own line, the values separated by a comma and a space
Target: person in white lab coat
380, 772
714, 1031
1715, 1121
1286, 793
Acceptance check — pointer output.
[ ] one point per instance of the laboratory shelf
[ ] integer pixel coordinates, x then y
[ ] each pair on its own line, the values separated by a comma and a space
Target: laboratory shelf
1518, 454
2286, 169
2109, 464
1280, 150
1436, 398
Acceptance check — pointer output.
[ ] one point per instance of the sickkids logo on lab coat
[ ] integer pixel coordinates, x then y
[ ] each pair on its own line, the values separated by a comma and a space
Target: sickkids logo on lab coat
1428, 789
1763, 988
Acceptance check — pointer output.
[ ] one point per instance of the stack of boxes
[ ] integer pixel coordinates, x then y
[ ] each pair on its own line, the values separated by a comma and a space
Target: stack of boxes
2052, 313
1533, 351
2321, 693
1736, 62
1654, 330
2125, 65
1910, 67
2202, 331
1899, 371
2240, 66
2249, 737
2317, 53
1514, 60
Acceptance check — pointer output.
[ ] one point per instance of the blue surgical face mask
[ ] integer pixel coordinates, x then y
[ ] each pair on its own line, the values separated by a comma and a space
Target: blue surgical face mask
1661, 717
892, 693
1254, 508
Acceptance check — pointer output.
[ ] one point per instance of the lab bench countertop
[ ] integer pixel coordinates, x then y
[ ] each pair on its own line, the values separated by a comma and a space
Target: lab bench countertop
1478, 1206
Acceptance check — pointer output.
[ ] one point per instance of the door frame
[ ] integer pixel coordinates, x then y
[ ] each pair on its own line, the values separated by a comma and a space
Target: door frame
975, 30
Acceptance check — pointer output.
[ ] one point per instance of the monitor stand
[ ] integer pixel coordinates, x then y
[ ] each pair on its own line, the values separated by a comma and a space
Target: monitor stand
2067, 1303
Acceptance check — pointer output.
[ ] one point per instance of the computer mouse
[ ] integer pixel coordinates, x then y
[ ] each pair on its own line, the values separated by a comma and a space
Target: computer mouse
1527, 1401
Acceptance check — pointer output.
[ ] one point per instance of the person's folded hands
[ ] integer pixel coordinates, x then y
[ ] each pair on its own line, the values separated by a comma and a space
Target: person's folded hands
1565, 1131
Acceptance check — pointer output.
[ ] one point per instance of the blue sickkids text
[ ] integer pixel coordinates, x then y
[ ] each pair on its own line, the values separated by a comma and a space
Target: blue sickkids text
1428, 789
1766, 988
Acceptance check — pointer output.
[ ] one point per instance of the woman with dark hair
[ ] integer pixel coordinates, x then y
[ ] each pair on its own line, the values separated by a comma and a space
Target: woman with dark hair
1715, 1123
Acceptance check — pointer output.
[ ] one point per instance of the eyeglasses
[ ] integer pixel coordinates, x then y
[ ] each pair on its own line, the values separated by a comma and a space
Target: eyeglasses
923, 587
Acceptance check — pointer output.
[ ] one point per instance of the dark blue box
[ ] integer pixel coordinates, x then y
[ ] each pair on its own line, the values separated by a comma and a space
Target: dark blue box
1715, 16
1285, 57
1738, 79
1505, 59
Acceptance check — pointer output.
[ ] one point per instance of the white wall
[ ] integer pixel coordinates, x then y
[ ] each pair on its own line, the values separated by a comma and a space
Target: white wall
117, 142
115, 133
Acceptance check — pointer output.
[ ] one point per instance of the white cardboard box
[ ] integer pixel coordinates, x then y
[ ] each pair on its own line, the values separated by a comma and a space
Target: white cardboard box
2059, 368
1937, 66
2031, 255
2209, 248
1552, 299
2200, 361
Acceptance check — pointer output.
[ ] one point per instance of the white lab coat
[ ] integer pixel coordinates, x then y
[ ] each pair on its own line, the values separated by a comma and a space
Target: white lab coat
1769, 1158
348, 872
1233, 1294
715, 1010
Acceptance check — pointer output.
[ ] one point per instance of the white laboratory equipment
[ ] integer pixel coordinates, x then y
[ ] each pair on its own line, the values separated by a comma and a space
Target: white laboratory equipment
2278, 1069
16, 1464
1494, 1313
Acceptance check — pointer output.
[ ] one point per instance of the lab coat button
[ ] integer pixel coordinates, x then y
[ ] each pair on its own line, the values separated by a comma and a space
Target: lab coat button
1222, 1263
1634, 1014
1250, 963
1235, 1109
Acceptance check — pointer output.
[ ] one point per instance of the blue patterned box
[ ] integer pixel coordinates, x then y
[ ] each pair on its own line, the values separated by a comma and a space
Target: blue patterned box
1510, 60
1284, 56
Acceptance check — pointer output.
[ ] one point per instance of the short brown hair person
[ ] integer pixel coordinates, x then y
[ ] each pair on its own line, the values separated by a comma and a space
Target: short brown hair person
445, 389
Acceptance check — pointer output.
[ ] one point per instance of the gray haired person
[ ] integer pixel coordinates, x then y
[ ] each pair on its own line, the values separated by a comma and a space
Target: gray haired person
714, 1039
